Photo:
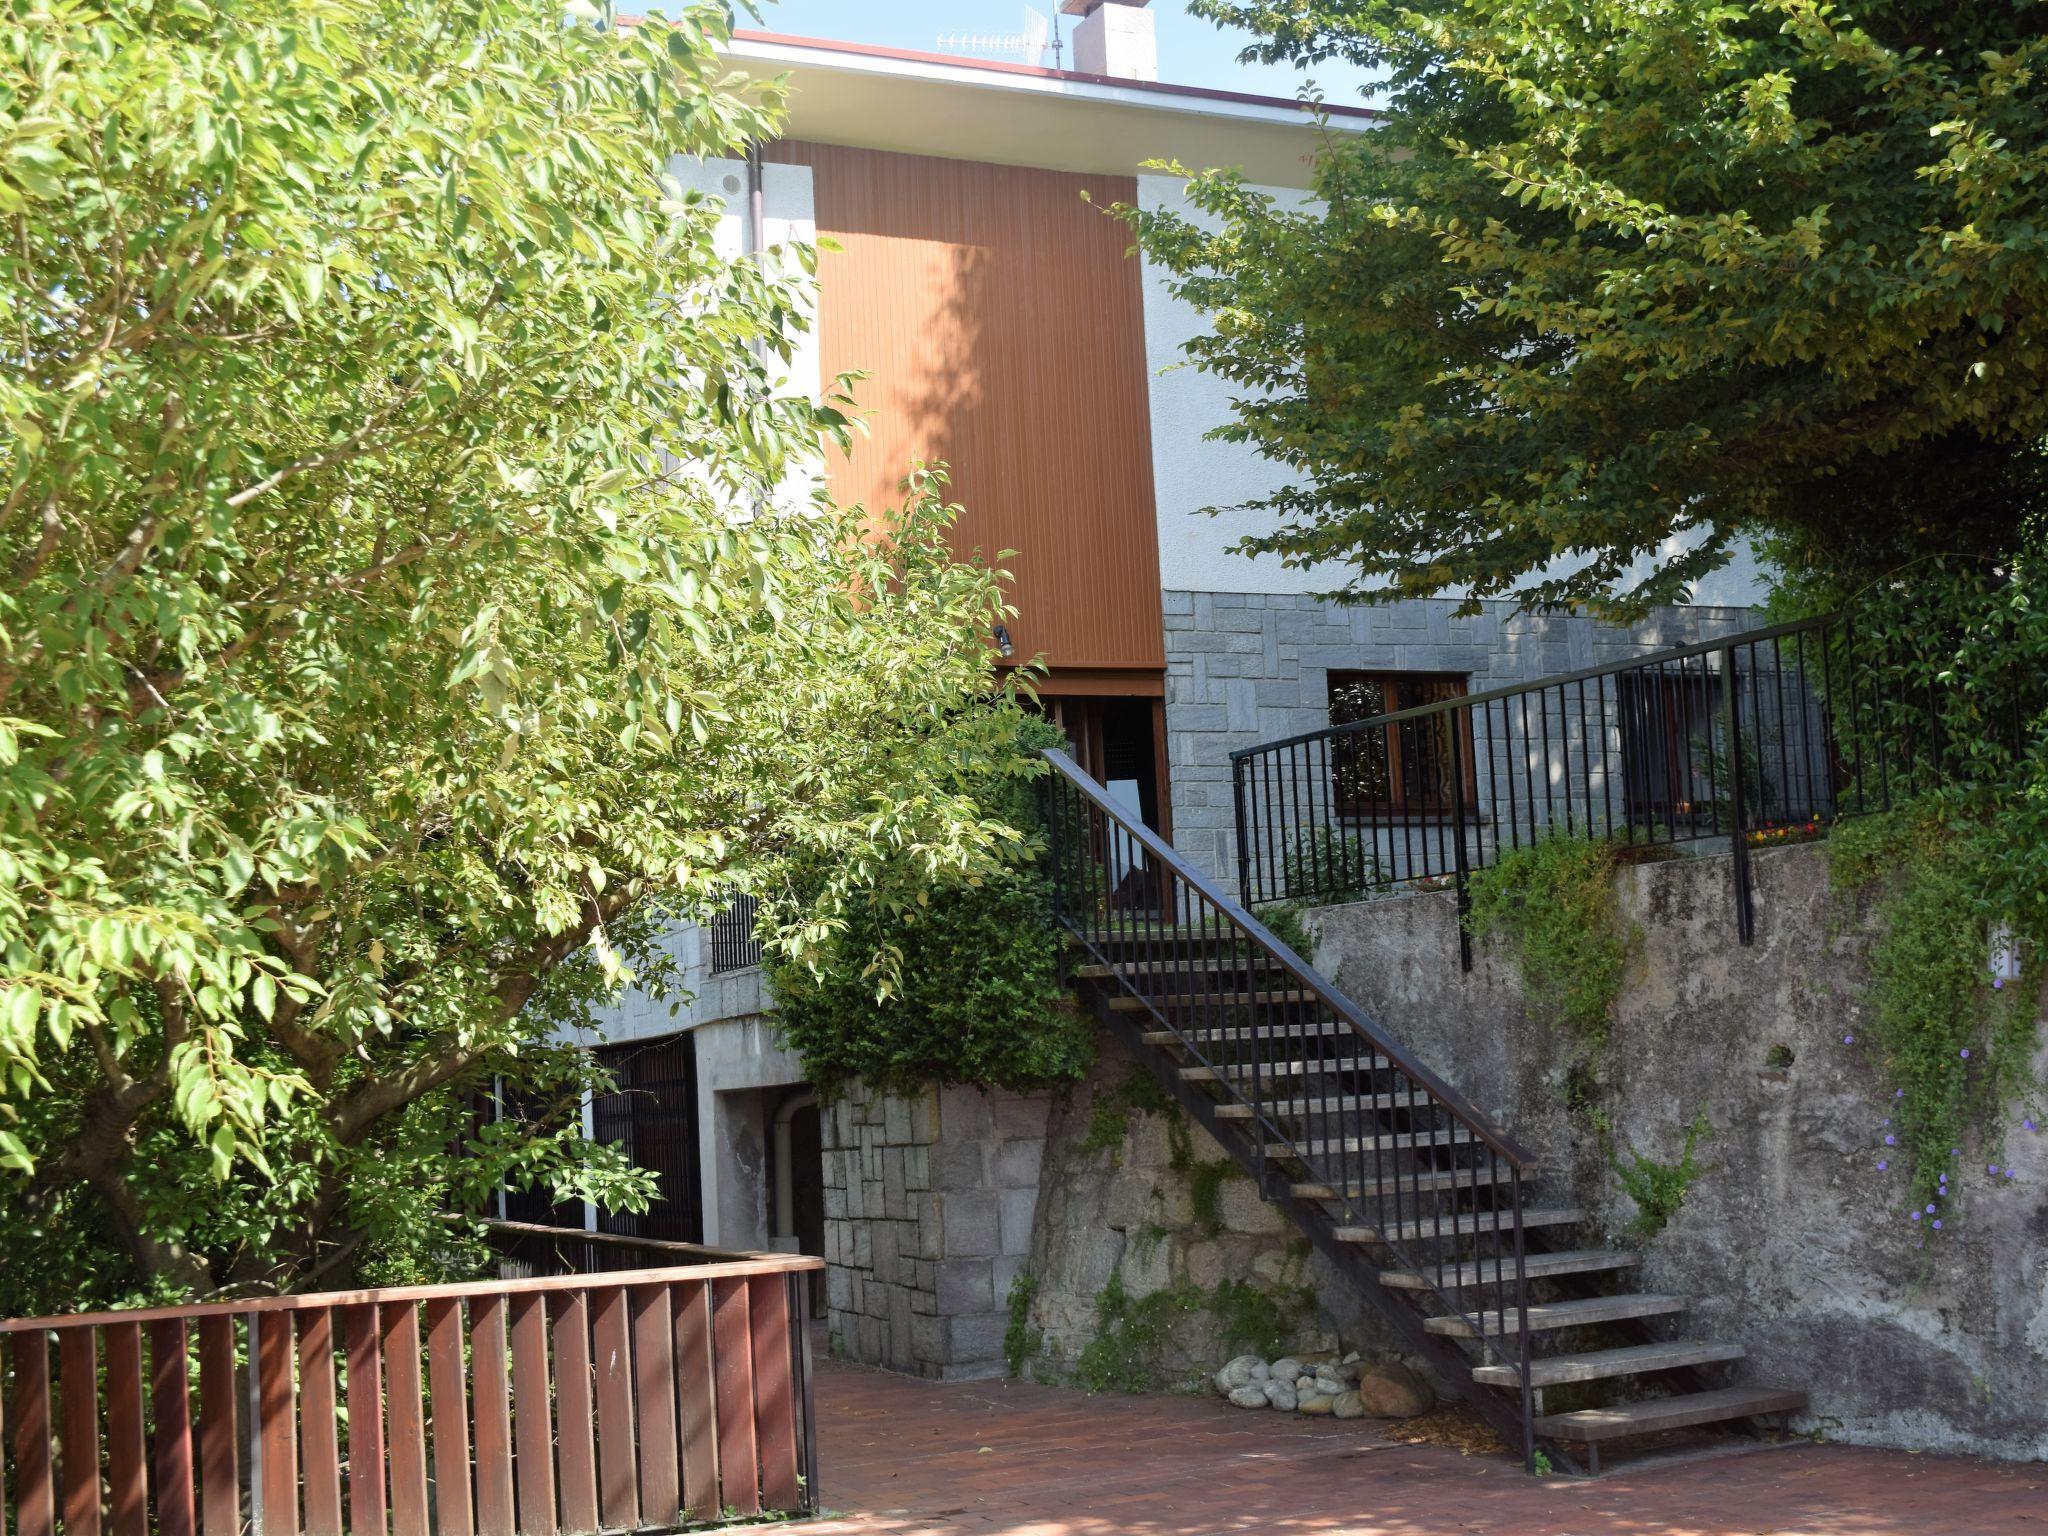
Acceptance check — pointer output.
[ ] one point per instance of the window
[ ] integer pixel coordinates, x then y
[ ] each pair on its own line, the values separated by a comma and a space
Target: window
1403, 769
734, 946
652, 1115
1670, 768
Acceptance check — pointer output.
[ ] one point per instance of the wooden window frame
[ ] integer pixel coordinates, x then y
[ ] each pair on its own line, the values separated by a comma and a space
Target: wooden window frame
1401, 690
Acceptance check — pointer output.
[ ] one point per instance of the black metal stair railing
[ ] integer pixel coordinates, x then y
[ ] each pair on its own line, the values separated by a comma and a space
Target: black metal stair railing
1770, 729
1422, 1180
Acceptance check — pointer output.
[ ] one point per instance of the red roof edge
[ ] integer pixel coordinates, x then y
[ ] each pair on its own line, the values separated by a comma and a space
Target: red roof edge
1032, 71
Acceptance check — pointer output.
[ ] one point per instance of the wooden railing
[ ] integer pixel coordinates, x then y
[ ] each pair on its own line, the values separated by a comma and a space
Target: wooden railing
552, 1406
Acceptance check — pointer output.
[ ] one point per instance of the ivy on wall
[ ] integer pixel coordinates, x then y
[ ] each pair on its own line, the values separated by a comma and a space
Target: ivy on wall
1554, 902
1956, 1046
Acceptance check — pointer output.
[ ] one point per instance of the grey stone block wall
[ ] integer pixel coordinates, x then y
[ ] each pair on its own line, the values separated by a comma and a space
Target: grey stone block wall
1244, 668
929, 1203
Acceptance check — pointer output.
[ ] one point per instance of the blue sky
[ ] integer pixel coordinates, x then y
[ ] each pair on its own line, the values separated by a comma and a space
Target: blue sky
1192, 51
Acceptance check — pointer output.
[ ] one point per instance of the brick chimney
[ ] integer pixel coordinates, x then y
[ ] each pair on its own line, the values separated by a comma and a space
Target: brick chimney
1115, 37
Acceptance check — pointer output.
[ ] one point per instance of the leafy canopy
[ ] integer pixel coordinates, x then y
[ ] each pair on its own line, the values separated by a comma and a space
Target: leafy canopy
1617, 282
408, 601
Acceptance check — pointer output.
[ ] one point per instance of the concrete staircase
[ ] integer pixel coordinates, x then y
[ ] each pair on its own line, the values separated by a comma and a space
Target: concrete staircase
1429, 1208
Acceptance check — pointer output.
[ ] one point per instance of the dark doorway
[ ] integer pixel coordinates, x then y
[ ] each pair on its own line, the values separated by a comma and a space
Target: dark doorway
1121, 744
799, 1182
652, 1114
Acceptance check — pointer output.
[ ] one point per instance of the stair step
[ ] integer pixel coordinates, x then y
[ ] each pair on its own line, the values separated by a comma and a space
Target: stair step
1407, 1141
1598, 1364
1246, 999
1325, 1029
1558, 1314
1221, 965
1537, 1266
1242, 1076
1404, 1184
1465, 1225
1645, 1418
1340, 1104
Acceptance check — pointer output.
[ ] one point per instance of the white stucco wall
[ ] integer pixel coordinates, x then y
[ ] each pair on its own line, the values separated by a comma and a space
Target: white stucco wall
1189, 473
788, 220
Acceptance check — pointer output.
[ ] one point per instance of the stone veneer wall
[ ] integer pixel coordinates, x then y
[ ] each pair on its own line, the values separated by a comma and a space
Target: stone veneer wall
1247, 667
929, 1200
1792, 1241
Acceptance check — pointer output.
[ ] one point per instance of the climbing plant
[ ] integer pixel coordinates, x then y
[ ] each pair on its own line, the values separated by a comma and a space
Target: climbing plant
1956, 1046
1951, 697
1554, 902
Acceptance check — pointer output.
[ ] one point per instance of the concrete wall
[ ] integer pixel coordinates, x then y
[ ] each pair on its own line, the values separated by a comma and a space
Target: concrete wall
929, 1202
1792, 1242
1245, 667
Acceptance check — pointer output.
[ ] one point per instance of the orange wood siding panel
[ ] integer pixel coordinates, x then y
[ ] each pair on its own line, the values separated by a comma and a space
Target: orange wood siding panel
1000, 320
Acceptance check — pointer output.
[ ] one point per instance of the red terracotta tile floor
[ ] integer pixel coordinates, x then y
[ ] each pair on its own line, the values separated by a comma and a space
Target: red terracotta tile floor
918, 1458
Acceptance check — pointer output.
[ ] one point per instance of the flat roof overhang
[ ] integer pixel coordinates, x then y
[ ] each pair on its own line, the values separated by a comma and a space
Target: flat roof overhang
1009, 114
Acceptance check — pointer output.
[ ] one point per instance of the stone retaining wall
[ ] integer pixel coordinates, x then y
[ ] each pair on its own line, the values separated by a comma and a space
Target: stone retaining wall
929, 1202
1792, 1241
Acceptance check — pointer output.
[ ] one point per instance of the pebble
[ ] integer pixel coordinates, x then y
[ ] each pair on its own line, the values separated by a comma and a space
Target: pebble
1248, 1397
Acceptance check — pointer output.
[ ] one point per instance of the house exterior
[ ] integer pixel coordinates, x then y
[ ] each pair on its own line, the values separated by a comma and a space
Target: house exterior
1006, 327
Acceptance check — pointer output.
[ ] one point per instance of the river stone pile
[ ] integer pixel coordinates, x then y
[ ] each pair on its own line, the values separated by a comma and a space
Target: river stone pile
1343, 1389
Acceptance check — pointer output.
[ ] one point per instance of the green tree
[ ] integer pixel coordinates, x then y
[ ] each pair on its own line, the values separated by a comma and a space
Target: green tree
408, 603
1619, 281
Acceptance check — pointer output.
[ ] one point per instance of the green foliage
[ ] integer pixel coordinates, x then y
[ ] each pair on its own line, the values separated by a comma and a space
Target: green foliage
1021, 1342
1324, 864
1658, 1189
1285, 919
1126, 1353
1132, 1334
1615, 283
1554, 901
1956, 1049
1205, 1192
1252, 1318
1954, 654
374, 689
1110, 1111
970, 990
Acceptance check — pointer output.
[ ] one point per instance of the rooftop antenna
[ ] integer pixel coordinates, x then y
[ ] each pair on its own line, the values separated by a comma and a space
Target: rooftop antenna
1029, 44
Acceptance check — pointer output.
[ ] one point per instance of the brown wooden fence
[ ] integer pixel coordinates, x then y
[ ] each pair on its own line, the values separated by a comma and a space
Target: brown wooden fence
633, 1400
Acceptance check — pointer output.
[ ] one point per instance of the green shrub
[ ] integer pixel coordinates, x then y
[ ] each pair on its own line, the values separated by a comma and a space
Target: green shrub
1659, 1189
974, 996
1554, 901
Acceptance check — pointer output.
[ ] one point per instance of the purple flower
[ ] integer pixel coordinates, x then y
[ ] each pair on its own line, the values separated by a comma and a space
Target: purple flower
1882, 1165
1848, 1039
1913, 1216
1891, 1141
2030, 1125
1900, 1094
1992, 1169
1930, 1207
2008, 1173
1998, 983
1966, 1053
1937, 1224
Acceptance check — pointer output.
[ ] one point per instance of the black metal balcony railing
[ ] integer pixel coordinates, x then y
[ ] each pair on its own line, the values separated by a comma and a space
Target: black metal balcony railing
1710, 743
734, 944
